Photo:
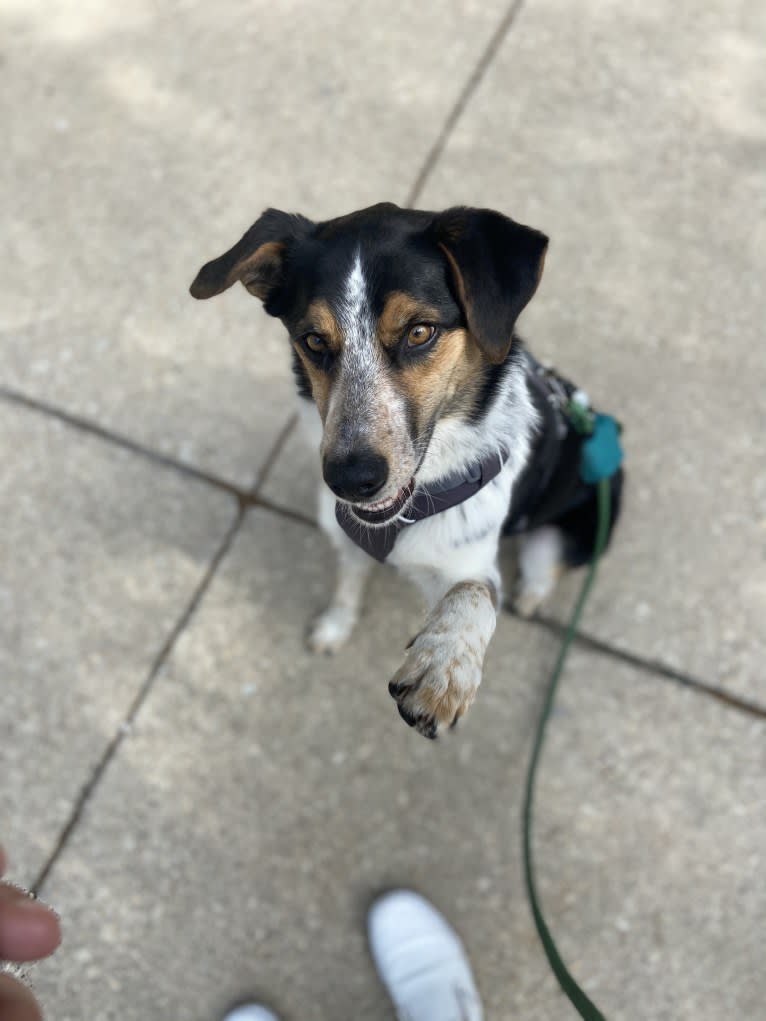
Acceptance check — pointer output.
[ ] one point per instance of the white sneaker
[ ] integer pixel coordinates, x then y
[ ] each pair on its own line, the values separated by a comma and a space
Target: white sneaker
421, 960
250, 1012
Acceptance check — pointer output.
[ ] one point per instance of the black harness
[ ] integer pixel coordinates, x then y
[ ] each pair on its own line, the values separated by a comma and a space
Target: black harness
551, 482
549, 485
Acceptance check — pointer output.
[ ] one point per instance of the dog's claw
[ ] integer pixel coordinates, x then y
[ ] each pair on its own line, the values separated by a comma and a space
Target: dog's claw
409, 718
426, 726
398, 689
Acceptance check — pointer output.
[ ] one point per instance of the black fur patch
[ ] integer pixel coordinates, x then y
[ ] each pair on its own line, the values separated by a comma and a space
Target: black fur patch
494, 376
302, 381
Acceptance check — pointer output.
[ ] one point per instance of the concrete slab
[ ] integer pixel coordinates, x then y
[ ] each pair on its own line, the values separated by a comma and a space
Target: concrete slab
141, 143
265, 795
650, 845
101, 553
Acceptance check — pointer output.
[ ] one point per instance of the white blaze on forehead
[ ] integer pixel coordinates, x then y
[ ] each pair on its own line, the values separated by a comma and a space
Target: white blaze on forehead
356, 319
362, 401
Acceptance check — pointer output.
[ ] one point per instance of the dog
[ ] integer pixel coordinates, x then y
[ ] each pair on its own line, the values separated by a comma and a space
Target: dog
439, 430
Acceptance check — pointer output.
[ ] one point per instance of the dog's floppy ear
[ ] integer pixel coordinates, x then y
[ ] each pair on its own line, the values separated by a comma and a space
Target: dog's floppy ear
496, 266
257, 259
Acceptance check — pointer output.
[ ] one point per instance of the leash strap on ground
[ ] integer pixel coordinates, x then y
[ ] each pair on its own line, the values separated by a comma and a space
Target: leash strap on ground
584, 1006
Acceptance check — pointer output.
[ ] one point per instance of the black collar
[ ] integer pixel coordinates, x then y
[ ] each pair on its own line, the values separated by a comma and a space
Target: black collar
428, 500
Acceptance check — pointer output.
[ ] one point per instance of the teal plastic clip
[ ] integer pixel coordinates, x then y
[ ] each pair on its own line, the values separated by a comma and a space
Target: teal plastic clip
601, 451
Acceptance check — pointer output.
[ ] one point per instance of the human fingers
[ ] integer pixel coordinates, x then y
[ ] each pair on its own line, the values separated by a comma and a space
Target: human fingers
28, 929
16, 1001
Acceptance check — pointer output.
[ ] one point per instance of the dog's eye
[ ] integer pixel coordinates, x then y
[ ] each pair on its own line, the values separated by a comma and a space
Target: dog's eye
315, 343
420, 334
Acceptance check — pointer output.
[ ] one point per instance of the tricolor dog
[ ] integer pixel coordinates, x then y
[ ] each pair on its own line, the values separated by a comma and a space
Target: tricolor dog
439, 431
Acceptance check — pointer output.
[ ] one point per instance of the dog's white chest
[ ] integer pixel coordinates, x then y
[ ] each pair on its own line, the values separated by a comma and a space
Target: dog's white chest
463, 537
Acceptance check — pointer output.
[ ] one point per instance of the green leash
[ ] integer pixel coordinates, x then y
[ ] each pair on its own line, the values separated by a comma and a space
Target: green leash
584, 1006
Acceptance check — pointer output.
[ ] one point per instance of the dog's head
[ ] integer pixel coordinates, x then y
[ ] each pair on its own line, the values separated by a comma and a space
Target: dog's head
397, 318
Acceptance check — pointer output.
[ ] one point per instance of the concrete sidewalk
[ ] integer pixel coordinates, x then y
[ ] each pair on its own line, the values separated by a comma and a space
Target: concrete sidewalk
209, 806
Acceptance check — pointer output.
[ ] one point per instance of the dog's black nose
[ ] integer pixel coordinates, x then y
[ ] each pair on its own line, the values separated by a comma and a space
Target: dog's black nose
356, 477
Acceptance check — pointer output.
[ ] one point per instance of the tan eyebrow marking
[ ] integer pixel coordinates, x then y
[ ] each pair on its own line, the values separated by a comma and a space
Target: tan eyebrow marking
319, 319
400, 310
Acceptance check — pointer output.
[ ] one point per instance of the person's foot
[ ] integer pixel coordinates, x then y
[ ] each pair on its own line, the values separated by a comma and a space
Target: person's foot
250, 1012
421, 960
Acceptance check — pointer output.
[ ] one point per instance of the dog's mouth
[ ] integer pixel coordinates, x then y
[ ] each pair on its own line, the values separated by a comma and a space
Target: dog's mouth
384, 511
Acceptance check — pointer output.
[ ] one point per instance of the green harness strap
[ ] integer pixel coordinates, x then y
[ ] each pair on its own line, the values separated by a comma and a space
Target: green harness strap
584, 1006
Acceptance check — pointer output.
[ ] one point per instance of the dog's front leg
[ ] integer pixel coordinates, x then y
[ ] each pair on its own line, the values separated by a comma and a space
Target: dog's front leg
438, 680
333, 627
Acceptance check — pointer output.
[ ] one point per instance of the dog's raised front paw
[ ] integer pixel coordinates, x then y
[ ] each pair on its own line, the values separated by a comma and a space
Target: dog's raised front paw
442, 670
331, 630
437, 681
